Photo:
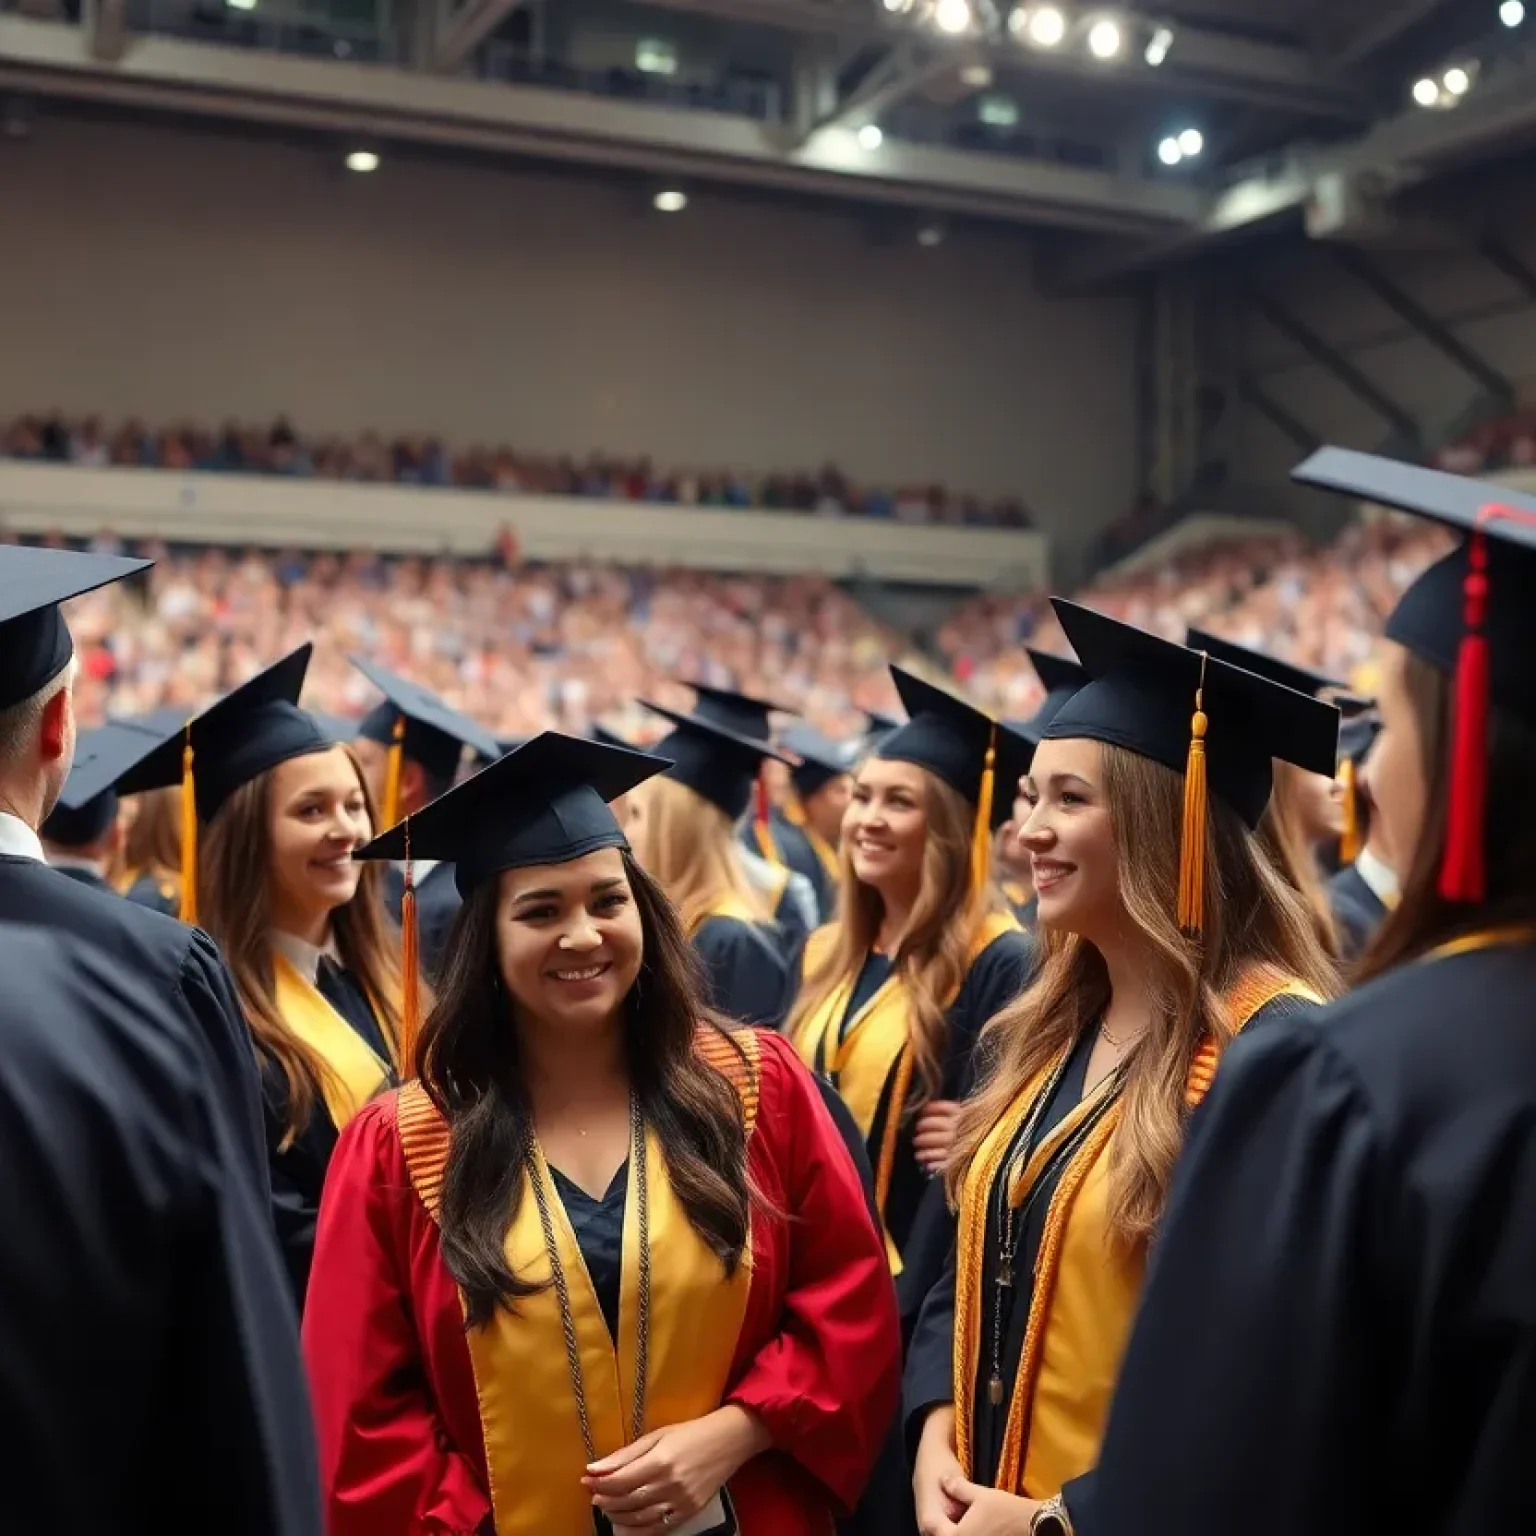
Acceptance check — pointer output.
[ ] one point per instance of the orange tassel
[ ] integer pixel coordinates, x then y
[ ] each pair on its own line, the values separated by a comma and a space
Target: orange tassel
1196, 809
188, 906
1349, 838
410, 960
981, 834
394, 767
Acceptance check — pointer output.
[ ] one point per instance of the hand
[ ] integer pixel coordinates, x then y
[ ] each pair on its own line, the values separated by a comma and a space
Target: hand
935, 1465
933, 1139
988, 1511
674, 1472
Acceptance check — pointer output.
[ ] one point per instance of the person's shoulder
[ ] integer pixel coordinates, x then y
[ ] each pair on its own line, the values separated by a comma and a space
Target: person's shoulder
756, 1060
1005, 958
726, 935
378, 1131
103, 917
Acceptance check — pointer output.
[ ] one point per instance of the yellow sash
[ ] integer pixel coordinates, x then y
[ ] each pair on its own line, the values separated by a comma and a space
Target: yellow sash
796, 817
872, 1061
1085, 1287
534, 1451
354, 1072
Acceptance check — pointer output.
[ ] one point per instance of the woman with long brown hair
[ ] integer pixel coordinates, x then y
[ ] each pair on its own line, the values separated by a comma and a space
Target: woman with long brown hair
1167, 931
606, 1264
924, 951
1354, 1210
281, 808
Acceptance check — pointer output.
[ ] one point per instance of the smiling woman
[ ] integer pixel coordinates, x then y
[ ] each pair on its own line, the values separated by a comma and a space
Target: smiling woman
595, 1175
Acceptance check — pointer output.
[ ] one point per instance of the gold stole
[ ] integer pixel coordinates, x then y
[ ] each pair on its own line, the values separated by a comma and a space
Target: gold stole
823, 850
1085, 1289
534, 1453
353, 1072
874, 1053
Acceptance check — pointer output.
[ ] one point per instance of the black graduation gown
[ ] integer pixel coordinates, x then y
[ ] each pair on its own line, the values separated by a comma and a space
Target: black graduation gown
179, 962
747, 978
1339, 1324
1357, 911
437, 904
798, 854
156, 894
152, 1379
86, 877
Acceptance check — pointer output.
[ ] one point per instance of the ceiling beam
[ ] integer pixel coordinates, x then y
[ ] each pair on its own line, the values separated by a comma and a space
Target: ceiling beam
461, 28
1384, 30
901, 72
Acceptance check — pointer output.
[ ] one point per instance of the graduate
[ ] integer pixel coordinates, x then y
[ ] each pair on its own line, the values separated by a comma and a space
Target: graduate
280, 810
683, 828
606, 1266
1337, 1329
924, 952
1365, 888
1168, 931
152, 1378
83, 835
410, 746
806, 827
148, 869
37, 725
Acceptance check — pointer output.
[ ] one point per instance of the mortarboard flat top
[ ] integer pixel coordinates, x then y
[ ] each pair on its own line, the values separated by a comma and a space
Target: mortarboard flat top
712, 760
34, 639
251, 729
162, 722
435, 735
87, 806
1286, 673
1430, 617
950, 738
1061, 677
820, 758
544, 803
1142, 698
738, 712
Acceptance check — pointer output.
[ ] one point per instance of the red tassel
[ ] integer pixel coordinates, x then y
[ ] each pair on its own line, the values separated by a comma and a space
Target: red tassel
1462, 871
763, 806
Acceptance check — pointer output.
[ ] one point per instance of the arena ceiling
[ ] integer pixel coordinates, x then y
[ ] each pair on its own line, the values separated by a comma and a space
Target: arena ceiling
1020, 112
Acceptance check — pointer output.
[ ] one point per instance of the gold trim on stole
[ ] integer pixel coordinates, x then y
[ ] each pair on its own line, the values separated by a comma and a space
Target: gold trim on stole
354, 1071
535, 1456
1084, 1291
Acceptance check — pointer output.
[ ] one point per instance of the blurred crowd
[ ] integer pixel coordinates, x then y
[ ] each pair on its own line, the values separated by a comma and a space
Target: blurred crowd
281, 450
1507, 443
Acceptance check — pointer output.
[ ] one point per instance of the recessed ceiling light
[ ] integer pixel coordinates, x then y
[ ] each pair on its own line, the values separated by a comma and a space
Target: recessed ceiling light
870, 136
670, 200
1105, 39
362, 160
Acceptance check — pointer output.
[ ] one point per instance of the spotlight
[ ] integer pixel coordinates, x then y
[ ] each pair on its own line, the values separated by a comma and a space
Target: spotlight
362, 161
1457, 81
1191, 142
1044, 26
870, 136
952, 16
1426, 92
1512, 13
1157, 48
670, 200
1105, 39
241, 5
1169, 152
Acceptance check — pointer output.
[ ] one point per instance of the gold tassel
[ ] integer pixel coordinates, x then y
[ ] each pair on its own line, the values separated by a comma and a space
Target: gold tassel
1192, 843
410, 992
390, 810
188, 910
981, 835
1349, 838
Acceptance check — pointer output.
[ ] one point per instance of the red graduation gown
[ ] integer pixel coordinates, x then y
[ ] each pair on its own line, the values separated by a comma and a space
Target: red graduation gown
817, 1357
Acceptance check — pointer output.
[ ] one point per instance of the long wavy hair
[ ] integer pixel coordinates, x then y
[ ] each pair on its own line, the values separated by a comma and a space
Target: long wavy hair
1282, 831
470, 1064
1253, 916
153, 844
935, 950
689, 846
234, 903
1422, 919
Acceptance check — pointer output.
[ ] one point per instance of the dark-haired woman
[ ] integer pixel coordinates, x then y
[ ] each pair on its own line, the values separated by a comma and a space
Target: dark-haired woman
678, 1313
1339, 1330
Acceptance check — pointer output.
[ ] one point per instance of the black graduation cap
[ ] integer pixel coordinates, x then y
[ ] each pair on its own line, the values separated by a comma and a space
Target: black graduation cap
337, 727
433, 734
712, 760
34, 639
87, 806
1061, 677
1286, 673
544, 803
738, 712
251, 729
1358, 730
820, 758
162, 722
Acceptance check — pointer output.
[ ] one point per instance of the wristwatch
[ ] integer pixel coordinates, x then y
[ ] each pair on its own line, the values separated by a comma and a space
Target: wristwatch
1052, 1519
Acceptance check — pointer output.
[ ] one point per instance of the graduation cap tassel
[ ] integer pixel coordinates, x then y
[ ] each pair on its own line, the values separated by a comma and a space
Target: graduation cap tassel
981, 836
1462, 872
188, 908
410, 959
394, 767
1192, 841
1349, 837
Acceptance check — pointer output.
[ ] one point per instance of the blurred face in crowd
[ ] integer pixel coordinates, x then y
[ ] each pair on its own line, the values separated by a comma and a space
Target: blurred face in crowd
569, 940
373, 757
825, 809
1321, 803
885, 826
318, 815
1067, 832
1394, 771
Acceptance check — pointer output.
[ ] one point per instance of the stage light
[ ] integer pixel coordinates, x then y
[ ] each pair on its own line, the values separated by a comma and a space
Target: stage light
1046, 26
870, 136
952, 16
1512, 13
1169, 152
1191, 142
1157, 48
1457, 81
1105, 38
241, 5
1426, 92
362, 161
670, 200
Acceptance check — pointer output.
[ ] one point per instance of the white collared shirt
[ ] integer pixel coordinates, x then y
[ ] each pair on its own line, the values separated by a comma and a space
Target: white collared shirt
303, 956
18, 839
1379, 876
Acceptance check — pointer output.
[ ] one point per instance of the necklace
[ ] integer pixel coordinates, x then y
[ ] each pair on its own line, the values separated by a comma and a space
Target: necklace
1108, 1038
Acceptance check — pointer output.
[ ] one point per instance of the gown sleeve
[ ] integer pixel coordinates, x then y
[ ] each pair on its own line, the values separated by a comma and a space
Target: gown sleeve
387, 1464
929, 1381
1245, 1402
746, 977
826, 1384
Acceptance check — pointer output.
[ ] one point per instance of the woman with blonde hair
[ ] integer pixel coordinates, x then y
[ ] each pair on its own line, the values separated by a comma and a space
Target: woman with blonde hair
151, 872
1168, 930
923, 952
